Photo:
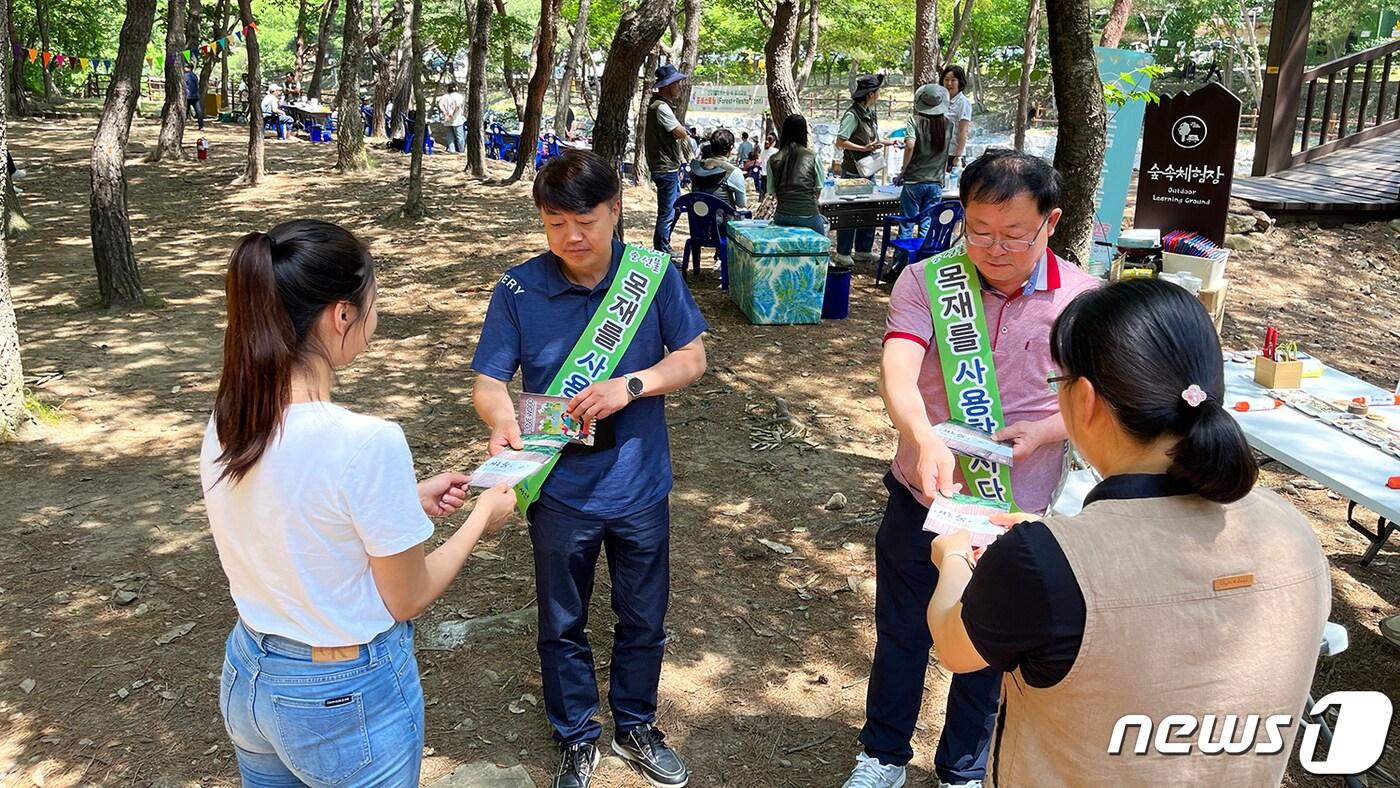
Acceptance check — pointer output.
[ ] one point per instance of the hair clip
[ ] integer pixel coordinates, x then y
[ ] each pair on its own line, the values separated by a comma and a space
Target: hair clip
1194, 396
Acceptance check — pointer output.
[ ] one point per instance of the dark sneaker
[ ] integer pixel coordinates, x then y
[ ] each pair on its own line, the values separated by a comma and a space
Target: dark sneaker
645, 748
576, 766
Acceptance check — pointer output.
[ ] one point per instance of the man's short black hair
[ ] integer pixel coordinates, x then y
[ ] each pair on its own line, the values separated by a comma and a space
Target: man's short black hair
721, 142
746, 135
452, 87
1000, 174
576, 181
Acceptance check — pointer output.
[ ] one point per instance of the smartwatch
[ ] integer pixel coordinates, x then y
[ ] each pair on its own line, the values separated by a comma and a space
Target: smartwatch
634, 386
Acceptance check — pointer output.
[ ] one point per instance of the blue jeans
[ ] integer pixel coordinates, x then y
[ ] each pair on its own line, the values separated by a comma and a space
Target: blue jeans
859, 239
296, 722
816, 223
457, 139
902, 643
916, 197
668, 188
566, 549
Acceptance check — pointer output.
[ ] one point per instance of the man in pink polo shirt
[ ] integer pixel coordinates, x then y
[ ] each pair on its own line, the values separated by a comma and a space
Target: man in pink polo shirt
984, 309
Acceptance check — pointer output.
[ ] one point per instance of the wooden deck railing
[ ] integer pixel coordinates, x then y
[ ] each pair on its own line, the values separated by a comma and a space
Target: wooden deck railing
1339, 110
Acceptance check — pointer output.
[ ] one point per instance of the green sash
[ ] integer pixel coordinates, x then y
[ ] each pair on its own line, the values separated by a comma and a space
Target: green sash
965, 356
603, 342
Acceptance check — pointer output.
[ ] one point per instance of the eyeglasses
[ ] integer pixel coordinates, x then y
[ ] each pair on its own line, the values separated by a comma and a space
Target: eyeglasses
1053, 381
1013, 245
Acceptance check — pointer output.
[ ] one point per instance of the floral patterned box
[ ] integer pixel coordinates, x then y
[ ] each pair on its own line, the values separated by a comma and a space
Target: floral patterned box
777, 275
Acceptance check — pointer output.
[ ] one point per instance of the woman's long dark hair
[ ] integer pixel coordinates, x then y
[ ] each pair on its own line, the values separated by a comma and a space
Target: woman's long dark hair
1142, 343
794, 138
278, 284
794, 131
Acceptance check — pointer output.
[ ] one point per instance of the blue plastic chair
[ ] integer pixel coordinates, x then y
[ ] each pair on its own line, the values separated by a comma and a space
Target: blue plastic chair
943, 216
703, 213
510, 148
408, 141
546, 150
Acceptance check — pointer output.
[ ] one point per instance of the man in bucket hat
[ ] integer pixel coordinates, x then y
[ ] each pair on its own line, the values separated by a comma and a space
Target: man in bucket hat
667, 144
925, 162
858, 138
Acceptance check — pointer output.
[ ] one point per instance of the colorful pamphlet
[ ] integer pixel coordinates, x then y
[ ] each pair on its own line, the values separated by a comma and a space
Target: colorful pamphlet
544, 415
966, 513
972, 442
514, 465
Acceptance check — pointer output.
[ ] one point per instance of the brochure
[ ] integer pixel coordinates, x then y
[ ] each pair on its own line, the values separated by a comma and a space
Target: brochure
513, 466
966, 513
544, 415
972, 442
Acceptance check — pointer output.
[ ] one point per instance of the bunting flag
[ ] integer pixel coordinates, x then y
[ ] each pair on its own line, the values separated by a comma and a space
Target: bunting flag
48, 58
33, 55
238, 35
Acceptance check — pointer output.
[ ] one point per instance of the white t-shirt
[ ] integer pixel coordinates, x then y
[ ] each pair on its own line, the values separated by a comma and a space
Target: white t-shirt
269, 105
295, 535
451, 106
765, 155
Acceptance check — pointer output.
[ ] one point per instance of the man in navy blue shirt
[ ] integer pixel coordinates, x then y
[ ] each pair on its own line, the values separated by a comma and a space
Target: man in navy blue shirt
192, 97
614, 493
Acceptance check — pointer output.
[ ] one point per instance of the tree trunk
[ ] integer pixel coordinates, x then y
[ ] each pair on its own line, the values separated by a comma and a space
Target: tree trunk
541, 72
1117, 20
383, 66
323, 41
777, 52
403, 71
299, 44
118, 281
571, 63
1023, 97
220, 29
653, 61
959, 27
637, 33
226, 92
18, 101
1082, 123
172, 123
585, 92
925, 42
413, 207
41, 16
476, 88
253, 174
508, 52
809, 57
690, 54
351, 143
194, 16
12, 413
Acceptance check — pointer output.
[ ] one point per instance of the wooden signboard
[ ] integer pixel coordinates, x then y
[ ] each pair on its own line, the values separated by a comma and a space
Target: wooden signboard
1188, 158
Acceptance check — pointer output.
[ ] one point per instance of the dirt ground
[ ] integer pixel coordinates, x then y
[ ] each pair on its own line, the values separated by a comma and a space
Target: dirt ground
113, 605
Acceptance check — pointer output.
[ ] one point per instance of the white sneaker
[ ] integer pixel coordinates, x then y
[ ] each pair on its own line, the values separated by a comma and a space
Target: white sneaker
870, 773
842, 259
968, 784
866, 257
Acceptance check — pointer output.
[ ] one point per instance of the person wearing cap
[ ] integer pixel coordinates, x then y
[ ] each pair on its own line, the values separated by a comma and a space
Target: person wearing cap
966, 339
925, 161
193, 104
858, 138
667, 145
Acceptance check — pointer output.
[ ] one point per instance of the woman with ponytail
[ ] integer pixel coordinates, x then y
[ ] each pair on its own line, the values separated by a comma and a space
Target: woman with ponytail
320, 524
1180, 589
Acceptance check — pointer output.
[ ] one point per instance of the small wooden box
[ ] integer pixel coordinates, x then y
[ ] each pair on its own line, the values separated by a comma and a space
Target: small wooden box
1214, 302
1278, 374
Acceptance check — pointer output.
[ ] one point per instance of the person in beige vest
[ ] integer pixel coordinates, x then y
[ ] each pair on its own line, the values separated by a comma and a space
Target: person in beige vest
1180, 589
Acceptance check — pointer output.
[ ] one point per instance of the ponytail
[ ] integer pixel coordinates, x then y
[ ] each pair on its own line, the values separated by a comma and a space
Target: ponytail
278, 284
259, 352
1212, 458
1142, 344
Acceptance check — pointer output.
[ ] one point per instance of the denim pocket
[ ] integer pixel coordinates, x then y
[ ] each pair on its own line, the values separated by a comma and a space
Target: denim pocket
325, 739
